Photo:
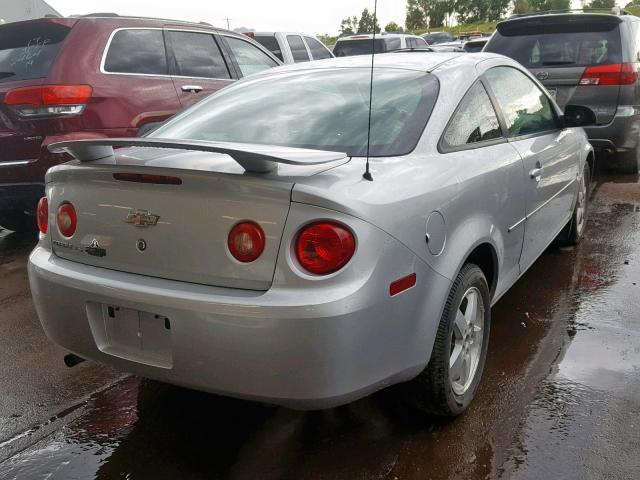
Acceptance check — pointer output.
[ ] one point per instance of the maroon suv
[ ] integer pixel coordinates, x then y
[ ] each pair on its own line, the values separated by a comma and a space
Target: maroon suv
64, 78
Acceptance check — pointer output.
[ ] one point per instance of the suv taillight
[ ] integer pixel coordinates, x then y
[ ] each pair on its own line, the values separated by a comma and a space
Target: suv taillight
47, 100
324, 247
612, 74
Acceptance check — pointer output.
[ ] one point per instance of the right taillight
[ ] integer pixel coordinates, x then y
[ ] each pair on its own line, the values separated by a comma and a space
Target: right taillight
324, 247
48, 100
611, 74
42, 215
67, 220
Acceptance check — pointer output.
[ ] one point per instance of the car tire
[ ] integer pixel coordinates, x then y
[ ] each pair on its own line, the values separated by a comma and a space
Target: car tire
627, 162
574, 230
17, 221
441, 388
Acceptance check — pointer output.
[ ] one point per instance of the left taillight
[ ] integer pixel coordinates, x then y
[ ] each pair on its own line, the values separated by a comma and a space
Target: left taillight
48, 100
611, 74
42, 215
67, 219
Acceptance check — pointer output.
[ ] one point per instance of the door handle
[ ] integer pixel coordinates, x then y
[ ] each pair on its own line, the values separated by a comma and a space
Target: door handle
536, 173
191, 88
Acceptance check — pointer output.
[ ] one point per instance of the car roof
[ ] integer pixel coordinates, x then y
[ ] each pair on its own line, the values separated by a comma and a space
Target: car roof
369, 36
419, 60
284, 33
565, 15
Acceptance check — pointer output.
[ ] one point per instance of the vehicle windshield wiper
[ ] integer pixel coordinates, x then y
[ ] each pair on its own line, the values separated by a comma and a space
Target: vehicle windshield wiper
559, 62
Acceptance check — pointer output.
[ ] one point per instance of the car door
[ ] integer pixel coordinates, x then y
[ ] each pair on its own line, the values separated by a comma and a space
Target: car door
136, 87
198, 65
489, 172
549, 153
246, 56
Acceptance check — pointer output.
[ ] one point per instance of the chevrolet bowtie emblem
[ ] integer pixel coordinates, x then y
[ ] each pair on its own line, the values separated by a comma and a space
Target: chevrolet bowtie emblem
142, 218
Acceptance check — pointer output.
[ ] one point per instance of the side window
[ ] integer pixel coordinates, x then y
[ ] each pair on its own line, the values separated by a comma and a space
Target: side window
197, 55
270, 42
420, 42
250, 58
318, 51
298, 50
474, 121
525, 107
410, 43
137, 51
392, 44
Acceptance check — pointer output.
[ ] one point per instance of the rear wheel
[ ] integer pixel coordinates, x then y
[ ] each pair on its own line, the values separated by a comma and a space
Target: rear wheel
449, 383
574, 230
17, 221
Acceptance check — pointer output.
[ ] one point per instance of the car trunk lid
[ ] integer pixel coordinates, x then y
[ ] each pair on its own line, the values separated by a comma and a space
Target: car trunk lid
172, 229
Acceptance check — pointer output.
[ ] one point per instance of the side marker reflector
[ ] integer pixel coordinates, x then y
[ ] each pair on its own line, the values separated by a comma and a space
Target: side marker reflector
402, 284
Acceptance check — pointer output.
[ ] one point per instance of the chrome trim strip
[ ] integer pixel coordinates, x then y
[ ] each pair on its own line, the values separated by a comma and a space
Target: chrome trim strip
529, 215
16, 163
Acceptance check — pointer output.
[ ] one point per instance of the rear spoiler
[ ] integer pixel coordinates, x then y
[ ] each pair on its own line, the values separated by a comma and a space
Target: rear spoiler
252, 157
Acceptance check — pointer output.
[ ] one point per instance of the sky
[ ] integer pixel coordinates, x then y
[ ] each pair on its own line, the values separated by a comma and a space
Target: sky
316, 18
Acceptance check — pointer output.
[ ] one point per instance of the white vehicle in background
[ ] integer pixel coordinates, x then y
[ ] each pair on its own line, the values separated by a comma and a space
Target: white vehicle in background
385, 42
292, 47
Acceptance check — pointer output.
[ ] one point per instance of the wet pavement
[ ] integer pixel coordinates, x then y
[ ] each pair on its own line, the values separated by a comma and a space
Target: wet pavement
560, 396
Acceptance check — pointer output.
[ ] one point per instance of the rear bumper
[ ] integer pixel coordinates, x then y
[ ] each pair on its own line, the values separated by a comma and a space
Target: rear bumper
296, 348
621, 134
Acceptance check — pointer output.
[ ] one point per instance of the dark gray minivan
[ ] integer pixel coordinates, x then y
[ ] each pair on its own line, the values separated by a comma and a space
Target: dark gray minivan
585, 59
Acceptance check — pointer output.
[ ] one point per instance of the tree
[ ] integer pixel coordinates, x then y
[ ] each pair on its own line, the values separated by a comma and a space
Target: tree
368, 23
349, 26
428, 13
393, 27
542, 5
469, 11
522, 6
604, 4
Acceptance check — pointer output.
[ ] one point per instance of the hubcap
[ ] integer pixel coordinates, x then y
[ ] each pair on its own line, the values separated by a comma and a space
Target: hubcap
466, 341
581, 205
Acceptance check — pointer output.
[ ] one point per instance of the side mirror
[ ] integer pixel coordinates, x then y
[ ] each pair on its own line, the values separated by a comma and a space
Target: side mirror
147, 128
578, 116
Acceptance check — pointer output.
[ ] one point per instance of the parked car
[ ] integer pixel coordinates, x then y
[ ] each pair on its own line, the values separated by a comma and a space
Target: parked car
100, 77
291, 47
474, 46
588, 59
385, 42
434, 38
257, 261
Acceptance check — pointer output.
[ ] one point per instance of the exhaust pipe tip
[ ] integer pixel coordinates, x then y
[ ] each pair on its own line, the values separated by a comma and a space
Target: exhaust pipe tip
71, 360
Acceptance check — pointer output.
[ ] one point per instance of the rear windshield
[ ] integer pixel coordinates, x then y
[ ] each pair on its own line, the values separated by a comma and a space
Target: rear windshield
318, 109
270, 43
28, 52
348, 48
560, 45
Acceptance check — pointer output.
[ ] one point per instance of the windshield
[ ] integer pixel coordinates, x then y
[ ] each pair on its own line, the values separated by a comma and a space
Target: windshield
27, 53
551, 46
348, 48
317, 109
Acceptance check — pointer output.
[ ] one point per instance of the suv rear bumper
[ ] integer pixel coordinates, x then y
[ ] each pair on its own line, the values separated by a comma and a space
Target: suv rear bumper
20, 197
621, 134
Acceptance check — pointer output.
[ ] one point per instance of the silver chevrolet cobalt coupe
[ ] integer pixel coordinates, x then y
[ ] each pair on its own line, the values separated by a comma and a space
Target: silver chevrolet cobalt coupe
238, 249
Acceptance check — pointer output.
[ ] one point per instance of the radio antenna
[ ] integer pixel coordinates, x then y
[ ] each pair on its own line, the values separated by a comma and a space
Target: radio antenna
367, 174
